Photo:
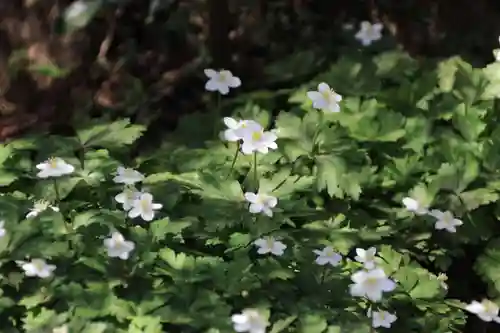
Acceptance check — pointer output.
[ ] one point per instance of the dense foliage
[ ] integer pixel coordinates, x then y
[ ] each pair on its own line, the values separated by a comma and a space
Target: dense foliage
296, 210
405, 129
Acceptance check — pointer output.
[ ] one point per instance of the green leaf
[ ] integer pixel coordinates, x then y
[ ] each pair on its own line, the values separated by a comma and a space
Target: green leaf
7, 178
446, 73
282, 324
310, 323
488, 264
176, 261
5, 153
478, 197
468, 120
330, 170
161, 228
110, 135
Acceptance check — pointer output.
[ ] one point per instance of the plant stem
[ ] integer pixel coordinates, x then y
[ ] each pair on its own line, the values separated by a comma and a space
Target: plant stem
217, 114
236, 153
56, 189
255, 177
319, 128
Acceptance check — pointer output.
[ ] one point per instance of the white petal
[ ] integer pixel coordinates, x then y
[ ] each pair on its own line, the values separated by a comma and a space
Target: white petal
134, 212
323, 87
231, 123
210, 72
251, 197
212, 85
313, 95
234, 82
223, 89
148, 216
255, 208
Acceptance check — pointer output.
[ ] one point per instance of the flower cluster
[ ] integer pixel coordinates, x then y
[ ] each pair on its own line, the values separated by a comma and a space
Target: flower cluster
135, 203
371, 282
444, 220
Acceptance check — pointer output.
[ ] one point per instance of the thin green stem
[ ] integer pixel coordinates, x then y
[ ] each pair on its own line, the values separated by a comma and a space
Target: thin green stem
235, 157
56, 189
255, 176
319, 128
323, 275
217, 114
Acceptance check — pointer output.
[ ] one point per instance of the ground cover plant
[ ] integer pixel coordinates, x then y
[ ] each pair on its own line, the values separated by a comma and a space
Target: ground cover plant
340, 210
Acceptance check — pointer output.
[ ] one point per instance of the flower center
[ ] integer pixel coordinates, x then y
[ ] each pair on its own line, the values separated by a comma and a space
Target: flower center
269, 242
327, 95
256, 136
223, 76
371, 282
489, 307
145, 205
52, 163
38, 264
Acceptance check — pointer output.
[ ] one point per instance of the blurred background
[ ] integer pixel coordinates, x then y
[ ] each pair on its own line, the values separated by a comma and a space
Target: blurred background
62, 60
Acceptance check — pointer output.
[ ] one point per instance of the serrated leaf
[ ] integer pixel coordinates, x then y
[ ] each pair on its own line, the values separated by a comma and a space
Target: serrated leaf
488, 264
329, 172
161, 228
110, 135
478, 197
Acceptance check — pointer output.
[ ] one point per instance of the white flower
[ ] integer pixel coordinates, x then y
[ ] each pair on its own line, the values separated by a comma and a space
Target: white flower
496, 54
366, 257
144, 207
442, 278
37, 267
2, 228
54, 167
117, 246
221, 81
76, 9
327, 256
382, 318
249, 320
237, 130
445, 220
39, 207
414, 206
325, 98
260, 141
486, 310
127, 197
269, 244
261, 203
369, 33
371, 284
128, 176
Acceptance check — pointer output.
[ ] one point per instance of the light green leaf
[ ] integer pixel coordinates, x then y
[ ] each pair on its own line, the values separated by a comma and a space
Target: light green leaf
161, 228
282, 324
488, 264
109, 135
330, 169
310, 323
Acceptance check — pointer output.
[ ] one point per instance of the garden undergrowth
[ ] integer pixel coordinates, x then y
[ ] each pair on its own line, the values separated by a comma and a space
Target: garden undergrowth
366, 204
